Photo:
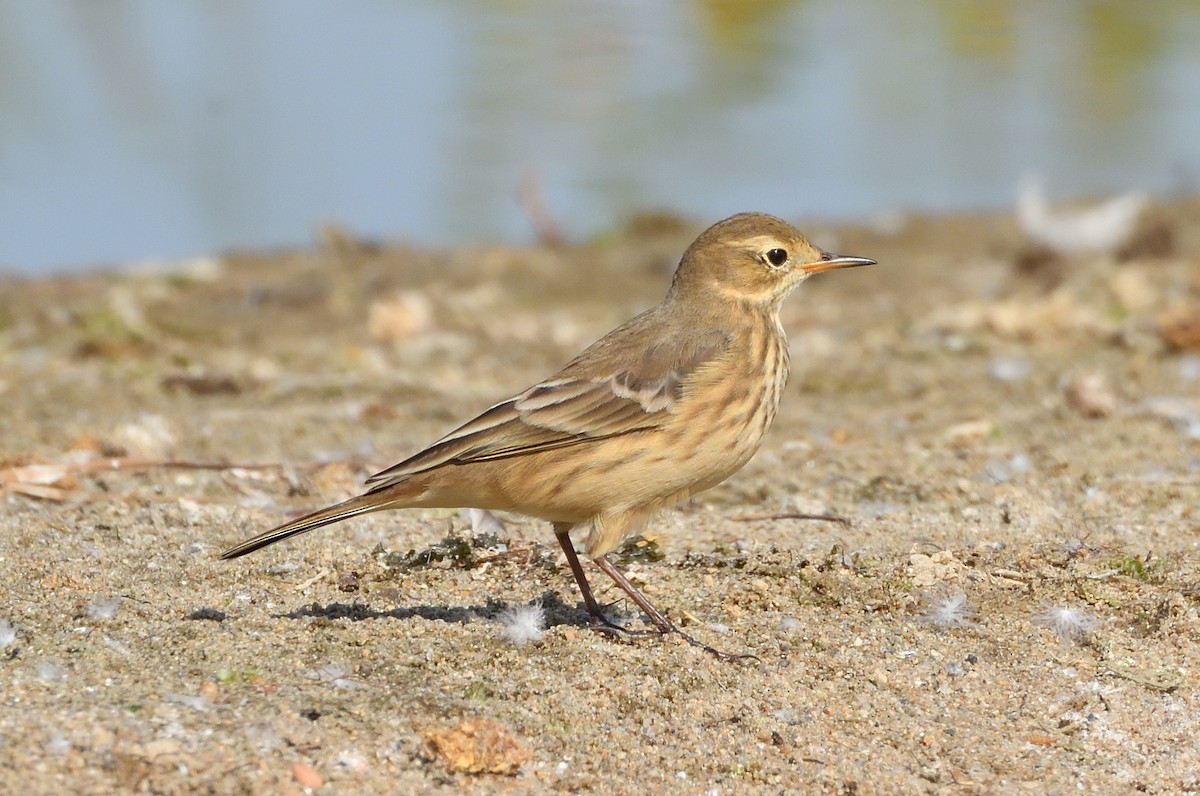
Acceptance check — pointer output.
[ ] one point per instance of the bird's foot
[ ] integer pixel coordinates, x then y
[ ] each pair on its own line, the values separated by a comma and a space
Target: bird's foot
602, 624
662, 624
671, 629
663, 627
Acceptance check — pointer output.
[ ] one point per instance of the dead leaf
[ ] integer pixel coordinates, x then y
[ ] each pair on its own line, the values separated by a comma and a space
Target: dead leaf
39, 492
41, 481
46, 474
477, 746
1181, 329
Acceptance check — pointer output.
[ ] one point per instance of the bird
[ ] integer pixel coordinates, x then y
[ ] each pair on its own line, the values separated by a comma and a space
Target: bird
1099, 229
663, 407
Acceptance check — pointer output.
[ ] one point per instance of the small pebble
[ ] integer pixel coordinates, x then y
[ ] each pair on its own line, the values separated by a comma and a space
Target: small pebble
399, 317
1189, 367
1009, 369
305, 775
1091, 395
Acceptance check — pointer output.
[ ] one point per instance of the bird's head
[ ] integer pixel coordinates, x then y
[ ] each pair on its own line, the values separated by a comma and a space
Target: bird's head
754, 258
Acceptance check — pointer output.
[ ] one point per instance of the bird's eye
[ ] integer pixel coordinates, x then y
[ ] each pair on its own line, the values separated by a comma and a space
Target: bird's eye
777, 257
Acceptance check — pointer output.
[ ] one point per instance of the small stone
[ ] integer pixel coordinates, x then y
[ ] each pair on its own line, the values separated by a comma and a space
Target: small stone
161, 747
1092, 396
968, 434
149, 437
306, 776
400, 317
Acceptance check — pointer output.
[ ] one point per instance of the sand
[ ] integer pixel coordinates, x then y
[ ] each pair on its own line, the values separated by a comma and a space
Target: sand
1012, 436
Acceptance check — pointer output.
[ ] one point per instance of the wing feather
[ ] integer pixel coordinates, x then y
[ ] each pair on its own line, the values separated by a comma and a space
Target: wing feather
595, 397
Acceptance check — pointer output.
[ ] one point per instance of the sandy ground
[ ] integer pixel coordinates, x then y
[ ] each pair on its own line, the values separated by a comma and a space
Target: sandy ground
1014, 438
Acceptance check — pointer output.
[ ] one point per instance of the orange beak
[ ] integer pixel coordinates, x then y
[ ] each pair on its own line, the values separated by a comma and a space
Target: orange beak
829, 262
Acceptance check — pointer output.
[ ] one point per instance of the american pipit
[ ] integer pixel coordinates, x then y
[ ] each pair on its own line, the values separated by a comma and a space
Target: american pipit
671, 403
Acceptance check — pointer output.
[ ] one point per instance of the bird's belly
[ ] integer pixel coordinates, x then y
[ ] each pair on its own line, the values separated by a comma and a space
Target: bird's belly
714, 431
698, 450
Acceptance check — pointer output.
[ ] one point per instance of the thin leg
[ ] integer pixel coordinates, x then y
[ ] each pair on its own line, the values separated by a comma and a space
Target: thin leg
657, 617
602, 622
562, 533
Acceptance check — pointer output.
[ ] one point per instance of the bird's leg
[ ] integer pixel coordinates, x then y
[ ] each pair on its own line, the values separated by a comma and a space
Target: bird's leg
657, 617
602, 622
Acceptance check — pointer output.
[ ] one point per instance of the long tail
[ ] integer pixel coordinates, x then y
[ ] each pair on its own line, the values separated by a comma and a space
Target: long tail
363, 504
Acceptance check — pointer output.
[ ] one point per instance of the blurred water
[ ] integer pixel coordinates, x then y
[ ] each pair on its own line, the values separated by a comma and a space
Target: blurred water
134, 129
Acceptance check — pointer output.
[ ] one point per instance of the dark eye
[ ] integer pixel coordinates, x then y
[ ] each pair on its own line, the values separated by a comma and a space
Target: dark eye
777, 257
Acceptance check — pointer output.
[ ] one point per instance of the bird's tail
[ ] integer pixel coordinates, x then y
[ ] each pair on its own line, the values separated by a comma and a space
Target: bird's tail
363, 504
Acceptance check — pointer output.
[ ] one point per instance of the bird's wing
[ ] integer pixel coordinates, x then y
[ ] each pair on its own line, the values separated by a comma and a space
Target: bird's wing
600, 394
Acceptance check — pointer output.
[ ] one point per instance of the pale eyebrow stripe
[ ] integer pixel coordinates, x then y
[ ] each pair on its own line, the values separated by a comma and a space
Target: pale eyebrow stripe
760, 242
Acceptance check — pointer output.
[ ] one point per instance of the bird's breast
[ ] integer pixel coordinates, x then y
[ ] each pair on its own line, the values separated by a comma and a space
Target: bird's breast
725, 409
727, 412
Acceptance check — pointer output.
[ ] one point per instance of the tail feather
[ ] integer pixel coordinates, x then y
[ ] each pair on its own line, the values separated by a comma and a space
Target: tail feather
363, 504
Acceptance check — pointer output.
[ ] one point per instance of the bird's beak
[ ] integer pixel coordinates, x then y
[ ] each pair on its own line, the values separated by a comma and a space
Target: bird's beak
829, 262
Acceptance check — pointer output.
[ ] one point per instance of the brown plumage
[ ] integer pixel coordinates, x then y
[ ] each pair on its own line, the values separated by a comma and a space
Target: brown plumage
663, 407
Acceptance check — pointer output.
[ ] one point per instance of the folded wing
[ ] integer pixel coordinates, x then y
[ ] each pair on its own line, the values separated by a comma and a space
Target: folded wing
597, 396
